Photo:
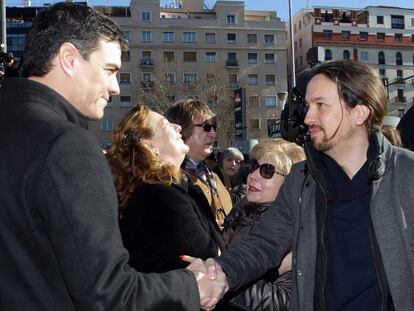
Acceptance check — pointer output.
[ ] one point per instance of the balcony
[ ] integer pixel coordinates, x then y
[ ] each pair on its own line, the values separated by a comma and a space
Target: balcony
399, 100
146, 63
147, 84
232, 63
399, 80
234, 85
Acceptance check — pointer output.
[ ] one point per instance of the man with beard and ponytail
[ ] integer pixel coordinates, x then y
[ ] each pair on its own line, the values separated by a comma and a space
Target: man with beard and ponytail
346, 212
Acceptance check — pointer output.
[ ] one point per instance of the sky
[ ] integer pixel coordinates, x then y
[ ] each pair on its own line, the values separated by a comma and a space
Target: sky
281, 7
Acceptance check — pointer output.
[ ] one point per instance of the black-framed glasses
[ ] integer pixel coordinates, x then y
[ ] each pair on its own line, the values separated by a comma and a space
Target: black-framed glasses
266, 170
207, 126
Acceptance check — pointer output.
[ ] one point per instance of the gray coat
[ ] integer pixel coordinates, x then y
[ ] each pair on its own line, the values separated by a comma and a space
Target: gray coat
60, 245
291, 221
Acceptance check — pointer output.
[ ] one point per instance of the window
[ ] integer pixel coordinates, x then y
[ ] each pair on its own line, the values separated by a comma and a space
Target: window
210, 37
146, 36
397, 21
145, 16
346, 35
168, 36
252, 58
124, 78
146, 55
146, 58
125, 56
364, 55
269, 39
270, 101
127, 35
382, 73
300, 43
210, 77
363, 35
380, 36
253, 79
107, 125
399, 74
327, 34
398, 59
381, 58
398, 37
233, 80
231, 38
146, 77
270, 79
211, 57
232, 59
380, 20
300, 25
125, 101
189, 37
269, 58
189, 78
168, 57
231, 19
190, 56
254, 101
169, 77
255, 124
328, 54
346, 55
412, 21
251, 38
109, 103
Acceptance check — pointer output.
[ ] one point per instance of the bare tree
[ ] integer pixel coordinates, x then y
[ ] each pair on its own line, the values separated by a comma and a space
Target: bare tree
160, 89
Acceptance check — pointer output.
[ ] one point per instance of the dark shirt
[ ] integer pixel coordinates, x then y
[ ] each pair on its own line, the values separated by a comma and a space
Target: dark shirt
351, 282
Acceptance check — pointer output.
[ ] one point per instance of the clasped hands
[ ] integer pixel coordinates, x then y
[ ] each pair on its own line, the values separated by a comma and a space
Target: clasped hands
211, 281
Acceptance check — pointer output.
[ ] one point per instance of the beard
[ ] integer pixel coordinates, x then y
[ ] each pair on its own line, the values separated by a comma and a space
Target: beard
328, 144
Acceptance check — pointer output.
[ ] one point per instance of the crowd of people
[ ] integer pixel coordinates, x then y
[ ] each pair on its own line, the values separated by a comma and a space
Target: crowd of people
155, 224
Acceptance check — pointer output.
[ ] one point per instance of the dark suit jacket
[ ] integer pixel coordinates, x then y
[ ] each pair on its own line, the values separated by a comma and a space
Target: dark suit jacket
60, 246
162, 222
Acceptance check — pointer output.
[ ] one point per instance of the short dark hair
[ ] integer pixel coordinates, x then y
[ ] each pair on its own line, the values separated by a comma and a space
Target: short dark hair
64, 22
185, 113
358, 84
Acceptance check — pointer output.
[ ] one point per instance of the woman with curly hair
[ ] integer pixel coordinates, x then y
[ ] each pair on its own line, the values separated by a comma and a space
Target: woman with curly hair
159, 220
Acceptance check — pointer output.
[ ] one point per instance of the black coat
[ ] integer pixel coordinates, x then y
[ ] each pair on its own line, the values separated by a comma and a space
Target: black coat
60, 246
270, 292
162, 222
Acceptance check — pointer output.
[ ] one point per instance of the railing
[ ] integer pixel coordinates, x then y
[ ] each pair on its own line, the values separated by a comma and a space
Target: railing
232, 63
234, 85
146, 62
147, 84
399, 81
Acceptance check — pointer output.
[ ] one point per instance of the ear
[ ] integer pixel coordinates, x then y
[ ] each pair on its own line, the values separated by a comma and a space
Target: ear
67, 57
362, 113
152, 146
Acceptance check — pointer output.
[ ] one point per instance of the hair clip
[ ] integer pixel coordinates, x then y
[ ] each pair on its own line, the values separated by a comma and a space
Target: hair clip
127, 139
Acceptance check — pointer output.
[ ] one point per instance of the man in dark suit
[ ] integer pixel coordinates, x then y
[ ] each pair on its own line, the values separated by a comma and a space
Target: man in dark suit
60, 244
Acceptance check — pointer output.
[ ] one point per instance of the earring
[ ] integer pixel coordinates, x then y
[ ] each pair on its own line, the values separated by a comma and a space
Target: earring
156, 151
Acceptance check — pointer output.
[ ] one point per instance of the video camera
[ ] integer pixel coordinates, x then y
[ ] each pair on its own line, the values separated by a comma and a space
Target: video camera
292, 117
5, 58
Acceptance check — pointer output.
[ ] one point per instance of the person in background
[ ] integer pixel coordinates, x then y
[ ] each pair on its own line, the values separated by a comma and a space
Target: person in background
271, 161
159, 219
229, 164
60, 244
198, 128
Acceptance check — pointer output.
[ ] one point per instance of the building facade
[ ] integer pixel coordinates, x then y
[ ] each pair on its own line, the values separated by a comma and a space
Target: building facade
186, 49
382, 37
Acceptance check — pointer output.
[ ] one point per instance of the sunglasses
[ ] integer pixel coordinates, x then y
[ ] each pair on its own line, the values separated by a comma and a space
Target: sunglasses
266, 170
207, 127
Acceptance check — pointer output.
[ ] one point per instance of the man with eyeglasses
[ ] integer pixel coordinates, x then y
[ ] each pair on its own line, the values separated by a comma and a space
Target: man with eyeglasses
198, 132
346, 213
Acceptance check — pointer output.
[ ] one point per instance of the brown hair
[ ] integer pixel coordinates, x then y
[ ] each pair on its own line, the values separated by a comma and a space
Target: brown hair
392, 134
281, 153
185, 113
358, 84
132, 162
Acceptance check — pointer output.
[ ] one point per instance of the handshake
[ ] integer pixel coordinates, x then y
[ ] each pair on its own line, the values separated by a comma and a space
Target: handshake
211, 281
